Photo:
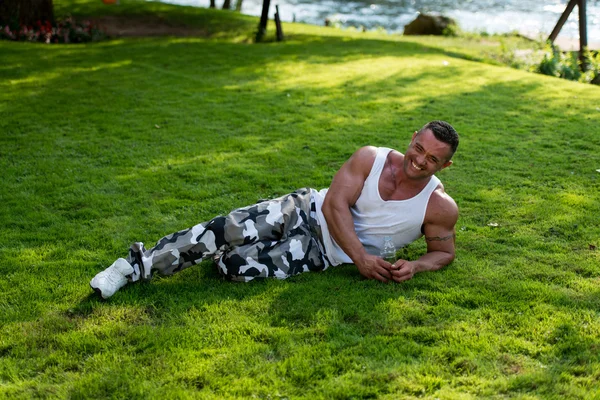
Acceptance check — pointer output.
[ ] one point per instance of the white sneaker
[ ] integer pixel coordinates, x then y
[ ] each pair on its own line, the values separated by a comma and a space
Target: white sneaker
113, 278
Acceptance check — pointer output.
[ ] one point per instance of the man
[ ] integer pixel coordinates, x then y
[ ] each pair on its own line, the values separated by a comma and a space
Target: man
378, 192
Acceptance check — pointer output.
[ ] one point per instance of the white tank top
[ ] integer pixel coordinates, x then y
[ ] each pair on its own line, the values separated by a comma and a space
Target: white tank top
375, 218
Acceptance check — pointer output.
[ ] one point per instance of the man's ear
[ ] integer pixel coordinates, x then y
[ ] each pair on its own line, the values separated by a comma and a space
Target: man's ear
446, 164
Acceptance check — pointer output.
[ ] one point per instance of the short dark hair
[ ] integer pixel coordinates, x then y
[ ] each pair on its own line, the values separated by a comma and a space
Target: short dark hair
444, 132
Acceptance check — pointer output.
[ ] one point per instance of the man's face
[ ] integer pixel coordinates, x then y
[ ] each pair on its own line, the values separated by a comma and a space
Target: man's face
425, 156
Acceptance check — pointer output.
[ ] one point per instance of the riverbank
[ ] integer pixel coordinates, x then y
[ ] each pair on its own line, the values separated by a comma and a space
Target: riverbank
526, 17
566, 43
155, 19
159, 19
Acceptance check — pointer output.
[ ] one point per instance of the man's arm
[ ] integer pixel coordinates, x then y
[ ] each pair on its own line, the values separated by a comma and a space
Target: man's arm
440, 220
345, 189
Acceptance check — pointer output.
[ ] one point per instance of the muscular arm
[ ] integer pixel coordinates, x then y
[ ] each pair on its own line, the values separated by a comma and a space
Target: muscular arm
440, 220
345, 189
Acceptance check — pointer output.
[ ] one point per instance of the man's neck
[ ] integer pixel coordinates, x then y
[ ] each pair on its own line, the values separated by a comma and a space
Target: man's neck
393, 182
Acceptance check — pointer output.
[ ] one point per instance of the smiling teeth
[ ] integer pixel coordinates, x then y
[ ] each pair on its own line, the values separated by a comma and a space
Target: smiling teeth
415, 165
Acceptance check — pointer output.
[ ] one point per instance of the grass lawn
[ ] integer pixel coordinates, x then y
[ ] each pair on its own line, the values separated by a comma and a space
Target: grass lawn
130, 139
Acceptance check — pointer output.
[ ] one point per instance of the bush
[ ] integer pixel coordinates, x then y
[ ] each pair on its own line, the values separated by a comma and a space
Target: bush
452, 30
65, 31
568, 66
592, 75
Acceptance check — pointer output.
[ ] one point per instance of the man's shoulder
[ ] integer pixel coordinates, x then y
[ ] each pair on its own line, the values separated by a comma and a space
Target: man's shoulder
366, 152
441, 206
366, 155
362, 160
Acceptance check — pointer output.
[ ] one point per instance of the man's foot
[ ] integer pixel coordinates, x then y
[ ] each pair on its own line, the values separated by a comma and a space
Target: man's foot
113, 278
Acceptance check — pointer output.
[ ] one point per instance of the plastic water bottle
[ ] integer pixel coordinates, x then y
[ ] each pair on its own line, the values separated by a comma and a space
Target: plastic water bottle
388, 251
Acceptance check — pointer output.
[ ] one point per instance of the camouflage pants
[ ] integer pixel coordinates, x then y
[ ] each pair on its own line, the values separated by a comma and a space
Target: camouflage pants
274, 238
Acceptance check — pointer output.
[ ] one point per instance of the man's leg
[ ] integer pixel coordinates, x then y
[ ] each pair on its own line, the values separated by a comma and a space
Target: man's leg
266, 221
299, 251
270, 220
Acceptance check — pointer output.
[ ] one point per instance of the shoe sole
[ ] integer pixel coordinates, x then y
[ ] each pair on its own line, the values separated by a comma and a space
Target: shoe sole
97, 290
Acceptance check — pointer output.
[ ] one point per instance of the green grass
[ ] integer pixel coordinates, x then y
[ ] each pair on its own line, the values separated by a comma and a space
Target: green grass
107, 143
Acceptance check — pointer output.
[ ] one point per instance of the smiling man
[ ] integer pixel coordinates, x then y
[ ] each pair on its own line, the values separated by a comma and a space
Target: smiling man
378, 192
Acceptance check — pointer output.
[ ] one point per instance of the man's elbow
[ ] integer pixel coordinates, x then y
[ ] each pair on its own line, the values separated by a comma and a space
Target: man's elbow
450, 256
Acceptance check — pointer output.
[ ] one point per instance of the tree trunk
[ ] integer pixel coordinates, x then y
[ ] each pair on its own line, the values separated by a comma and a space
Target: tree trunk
238, 5
227, 5
262, 24
25, 12
213, 4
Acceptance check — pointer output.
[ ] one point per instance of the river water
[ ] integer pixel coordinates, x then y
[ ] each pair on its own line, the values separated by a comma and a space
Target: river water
535, 18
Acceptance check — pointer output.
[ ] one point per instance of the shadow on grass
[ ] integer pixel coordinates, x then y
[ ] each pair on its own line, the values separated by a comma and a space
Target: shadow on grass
183, 53
474, 109
215, 23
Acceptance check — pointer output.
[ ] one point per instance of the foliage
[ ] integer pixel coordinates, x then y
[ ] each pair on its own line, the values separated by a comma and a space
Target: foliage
592, 70
452, 30
567, 65
521, 53
64, 31
111, 142
556, 63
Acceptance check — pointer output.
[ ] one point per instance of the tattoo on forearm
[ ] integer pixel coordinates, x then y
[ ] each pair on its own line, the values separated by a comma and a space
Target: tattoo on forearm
439, 239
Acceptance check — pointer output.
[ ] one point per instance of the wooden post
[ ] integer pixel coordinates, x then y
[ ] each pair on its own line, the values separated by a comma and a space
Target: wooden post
562, 20
262, 25
582, 28
278, 24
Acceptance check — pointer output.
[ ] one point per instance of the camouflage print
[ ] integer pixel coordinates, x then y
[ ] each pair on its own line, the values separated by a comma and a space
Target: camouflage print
274, 238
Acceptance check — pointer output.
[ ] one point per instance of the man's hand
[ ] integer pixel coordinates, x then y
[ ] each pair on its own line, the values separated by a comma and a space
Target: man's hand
403, 270
372, 267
